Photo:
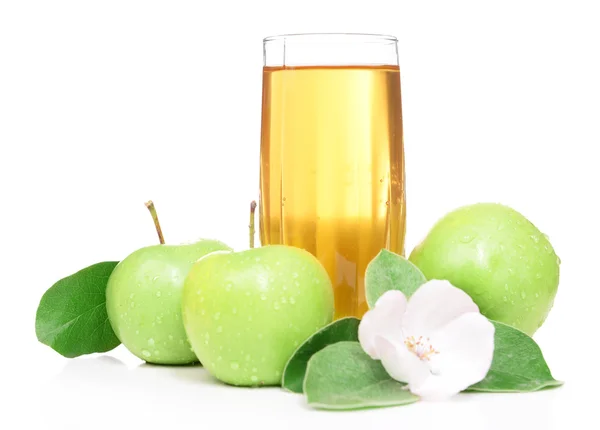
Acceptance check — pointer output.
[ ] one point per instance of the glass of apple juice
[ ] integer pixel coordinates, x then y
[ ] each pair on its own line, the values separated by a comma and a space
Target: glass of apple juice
332, 155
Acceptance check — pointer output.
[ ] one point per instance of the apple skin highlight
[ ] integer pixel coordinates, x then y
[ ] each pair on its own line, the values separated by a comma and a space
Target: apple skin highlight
499, 258
245, 313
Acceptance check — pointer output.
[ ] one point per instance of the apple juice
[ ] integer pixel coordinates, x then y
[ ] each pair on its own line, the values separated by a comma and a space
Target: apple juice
332, 169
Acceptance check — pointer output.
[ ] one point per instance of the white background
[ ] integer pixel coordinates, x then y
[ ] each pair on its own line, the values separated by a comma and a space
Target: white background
104, 105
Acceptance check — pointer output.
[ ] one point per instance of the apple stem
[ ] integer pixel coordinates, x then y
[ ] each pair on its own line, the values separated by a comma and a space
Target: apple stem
152, 209
251, 226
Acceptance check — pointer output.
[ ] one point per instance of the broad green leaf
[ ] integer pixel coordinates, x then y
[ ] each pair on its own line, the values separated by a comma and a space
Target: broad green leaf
389, 271
518, 364
345, 329
343, 376
71, 317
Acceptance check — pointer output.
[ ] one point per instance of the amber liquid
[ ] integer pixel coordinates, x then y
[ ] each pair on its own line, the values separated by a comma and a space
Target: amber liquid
332, 169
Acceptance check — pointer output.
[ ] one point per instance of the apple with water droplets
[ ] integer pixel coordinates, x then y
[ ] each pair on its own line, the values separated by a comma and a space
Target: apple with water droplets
143, 299
245, 313
499, 258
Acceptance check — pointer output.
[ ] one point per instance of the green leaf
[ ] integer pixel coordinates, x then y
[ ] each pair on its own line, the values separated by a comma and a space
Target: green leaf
389, 271
343, 376
71, 317
518, 364
345, 329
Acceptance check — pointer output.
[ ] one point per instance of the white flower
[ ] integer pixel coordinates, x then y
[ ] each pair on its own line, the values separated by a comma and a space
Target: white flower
437, 342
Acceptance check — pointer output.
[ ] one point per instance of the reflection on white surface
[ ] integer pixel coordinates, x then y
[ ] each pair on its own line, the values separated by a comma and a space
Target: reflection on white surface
107, 392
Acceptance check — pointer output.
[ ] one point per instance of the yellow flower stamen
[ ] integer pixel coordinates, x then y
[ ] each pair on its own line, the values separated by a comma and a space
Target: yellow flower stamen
420, 347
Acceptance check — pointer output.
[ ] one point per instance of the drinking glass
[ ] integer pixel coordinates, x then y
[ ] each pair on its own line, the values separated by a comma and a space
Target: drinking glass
332, 156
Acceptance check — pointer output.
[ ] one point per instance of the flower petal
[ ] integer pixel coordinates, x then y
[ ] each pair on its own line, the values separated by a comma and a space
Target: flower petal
434, 305
400, 363
384, 319
466, 349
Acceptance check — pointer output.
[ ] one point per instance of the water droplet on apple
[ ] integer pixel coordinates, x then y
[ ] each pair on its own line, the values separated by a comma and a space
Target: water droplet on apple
500, 227
467, 238
296, 343
228, 287
257, 259
260, 336
510, 271
234, 366
535, 238
277, 263
132, 305
263, 296
170, 337
254, 370
276, 306
538, 276
248, 357
137, 332
506, 287
277, 373
202, 312
155, 279
150, 342
198, 292
505, 298
158, 294
201, 299
537, 295
285, 287
254, 378
249, 317
146, 353
157, 352
512, 302
295, 274
292, 301
263, 359
234, 311
217, 315
523, 294
248, 293
219, 358
283, 300
220, 329
181, 341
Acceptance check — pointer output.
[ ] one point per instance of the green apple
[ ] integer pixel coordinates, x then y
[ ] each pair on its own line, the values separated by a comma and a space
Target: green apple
143, 300
246, 312
499, 258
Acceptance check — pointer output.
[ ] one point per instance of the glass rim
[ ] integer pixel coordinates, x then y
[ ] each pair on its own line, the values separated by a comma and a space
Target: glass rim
340, 37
